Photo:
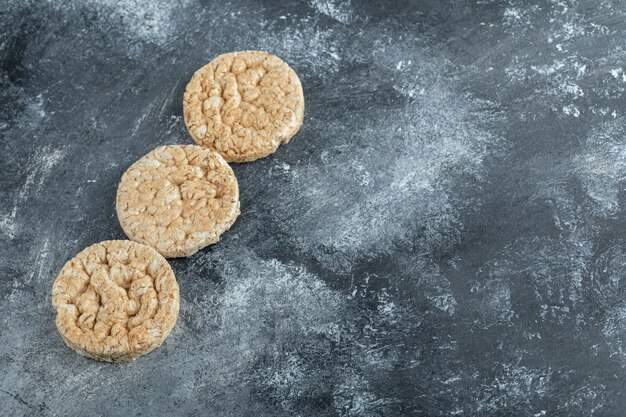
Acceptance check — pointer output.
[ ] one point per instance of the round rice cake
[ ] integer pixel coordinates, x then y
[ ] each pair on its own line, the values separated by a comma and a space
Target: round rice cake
244, 105
115, 301
178, 199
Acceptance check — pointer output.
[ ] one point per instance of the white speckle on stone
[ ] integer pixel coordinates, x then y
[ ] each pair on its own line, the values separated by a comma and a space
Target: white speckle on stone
571, 110
573, 90
616, 72
549, 69
512, 13
8, 224
445, 303
402, 65
37, 107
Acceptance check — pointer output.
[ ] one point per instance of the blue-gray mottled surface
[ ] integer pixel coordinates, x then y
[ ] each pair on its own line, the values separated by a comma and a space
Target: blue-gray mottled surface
444, 236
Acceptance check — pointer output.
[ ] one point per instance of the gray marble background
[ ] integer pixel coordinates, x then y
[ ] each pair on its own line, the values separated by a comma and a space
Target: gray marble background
443, 237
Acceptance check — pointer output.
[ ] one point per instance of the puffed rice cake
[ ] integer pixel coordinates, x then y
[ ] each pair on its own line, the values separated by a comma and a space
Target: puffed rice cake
244, 105
178, 199
115, 301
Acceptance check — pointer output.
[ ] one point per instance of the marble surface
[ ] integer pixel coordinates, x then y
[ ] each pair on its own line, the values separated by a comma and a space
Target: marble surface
444, 236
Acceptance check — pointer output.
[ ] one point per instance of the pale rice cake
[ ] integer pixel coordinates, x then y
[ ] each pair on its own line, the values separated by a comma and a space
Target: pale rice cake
115, 301
244, 105
178, 199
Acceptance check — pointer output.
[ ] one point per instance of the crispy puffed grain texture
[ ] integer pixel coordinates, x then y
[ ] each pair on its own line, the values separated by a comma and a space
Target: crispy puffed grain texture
115, 301
178, 199
244, 105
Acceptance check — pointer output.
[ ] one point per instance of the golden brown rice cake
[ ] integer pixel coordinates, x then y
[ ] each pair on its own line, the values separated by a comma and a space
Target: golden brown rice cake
178, 199
115, 301
244, 105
